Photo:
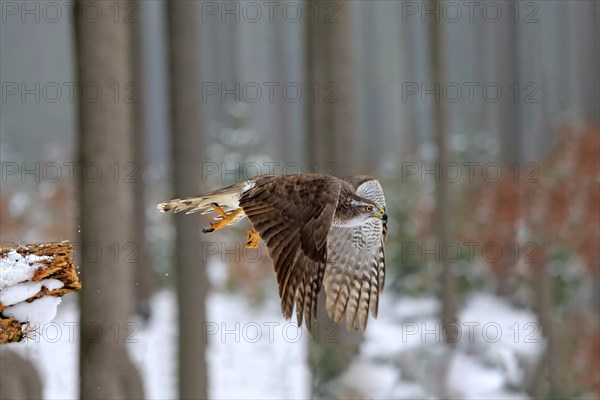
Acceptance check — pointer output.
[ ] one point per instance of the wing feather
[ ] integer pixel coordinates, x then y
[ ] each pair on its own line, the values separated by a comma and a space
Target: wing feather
293, 215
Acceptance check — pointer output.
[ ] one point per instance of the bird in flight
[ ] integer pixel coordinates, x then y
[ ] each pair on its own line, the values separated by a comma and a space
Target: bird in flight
320, 230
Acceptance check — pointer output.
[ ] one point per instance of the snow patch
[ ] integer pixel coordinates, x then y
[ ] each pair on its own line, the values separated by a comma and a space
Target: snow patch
469, 379
38, 311
502, 325
497, 342
368, 379
16, 268
24, 290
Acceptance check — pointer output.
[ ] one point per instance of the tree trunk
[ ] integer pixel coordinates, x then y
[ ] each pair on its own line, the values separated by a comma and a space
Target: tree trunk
187, 163
442, 207
144, 283
546, 373
582, 21
330, 148
503, 109
107, 203
19, 377
331, 126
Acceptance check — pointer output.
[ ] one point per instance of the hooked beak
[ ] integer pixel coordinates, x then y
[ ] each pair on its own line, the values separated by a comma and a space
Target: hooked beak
383, 215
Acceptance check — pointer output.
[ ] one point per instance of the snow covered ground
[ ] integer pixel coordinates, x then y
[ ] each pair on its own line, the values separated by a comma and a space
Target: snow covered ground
407, 358
239, 338
254, 353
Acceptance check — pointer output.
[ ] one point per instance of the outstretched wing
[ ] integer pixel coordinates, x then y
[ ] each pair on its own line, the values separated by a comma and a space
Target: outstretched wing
355, 271
293, 215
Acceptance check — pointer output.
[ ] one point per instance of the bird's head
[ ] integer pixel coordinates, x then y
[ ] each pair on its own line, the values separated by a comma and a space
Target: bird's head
359, 211
368, 209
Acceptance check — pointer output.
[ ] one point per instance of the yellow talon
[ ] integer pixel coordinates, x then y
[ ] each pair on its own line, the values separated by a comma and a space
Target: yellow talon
226, 219
253, 239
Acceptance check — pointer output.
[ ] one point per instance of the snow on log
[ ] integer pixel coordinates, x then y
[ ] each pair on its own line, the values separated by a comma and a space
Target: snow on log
32, 280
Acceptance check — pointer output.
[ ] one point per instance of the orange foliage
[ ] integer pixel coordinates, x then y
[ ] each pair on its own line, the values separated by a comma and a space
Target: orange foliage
559, 206
560, 209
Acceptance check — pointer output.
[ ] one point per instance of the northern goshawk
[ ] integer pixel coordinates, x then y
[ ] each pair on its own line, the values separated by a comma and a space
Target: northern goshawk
319, 230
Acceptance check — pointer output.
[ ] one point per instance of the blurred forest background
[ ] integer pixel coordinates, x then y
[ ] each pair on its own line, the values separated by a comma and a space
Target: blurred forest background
479, 118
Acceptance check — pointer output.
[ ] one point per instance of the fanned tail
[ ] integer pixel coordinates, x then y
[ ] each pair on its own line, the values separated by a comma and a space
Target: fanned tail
189, 205
227, 198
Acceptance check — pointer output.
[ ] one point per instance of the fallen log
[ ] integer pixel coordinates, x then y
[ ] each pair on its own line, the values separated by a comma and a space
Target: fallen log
32, 278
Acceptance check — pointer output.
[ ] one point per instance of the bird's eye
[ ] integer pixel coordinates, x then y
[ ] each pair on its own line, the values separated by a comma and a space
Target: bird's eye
368, 208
